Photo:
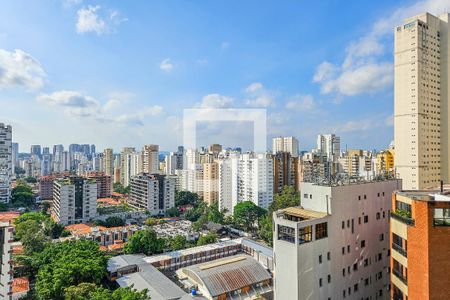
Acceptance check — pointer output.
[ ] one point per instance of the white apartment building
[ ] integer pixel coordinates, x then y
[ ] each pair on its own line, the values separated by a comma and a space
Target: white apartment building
336, 246
128, 165
421, 109
150, 159
245, 177
171, 163
152, 192
329, 146
6, 274
6, 163
74, 200
285, 144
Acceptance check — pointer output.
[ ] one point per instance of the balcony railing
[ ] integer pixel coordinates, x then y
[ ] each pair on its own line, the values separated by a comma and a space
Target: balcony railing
403, 219
399, 249
400, 276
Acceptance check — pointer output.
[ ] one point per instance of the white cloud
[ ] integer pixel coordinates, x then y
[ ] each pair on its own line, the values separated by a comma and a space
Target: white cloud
20, 69
166, 65
260, 101
301, 103
215, 101
258, 96
255, 86
90, 20
363, 69
75, 104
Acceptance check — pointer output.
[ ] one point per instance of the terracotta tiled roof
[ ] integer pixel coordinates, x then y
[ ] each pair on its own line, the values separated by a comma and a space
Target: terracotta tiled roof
20, 285
9, 216
17, 249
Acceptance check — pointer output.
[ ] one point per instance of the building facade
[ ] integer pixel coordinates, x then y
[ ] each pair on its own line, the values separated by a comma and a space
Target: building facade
6, 274
285, 144
150, 159
421, 108
6, 163
420, 231
336, 246
104, 184
152, 192
74, 200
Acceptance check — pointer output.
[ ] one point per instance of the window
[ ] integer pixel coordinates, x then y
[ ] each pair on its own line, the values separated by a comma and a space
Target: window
305, 235
355, 288
378, 216
343, 250
343, 224
382, 237
329, 278
320, 259
348, 248
363, 243
328, 255
366, 219
320, 282
321, 231
441, 217
365, 196
355, 267
343, 293
286, 233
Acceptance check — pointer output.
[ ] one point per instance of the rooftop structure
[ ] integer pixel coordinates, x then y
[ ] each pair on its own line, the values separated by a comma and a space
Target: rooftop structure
236, 277
132, 270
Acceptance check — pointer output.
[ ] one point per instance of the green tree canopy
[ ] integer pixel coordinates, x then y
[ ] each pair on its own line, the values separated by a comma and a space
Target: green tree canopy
65, 264
173, 212
287, 198
186, 198
22, 194
209, 238
145, 241
113, 221
246, 214
88, 291
178, 242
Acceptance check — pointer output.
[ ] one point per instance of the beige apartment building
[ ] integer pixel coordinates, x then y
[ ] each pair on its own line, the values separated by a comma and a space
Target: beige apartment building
211, 182
421, 108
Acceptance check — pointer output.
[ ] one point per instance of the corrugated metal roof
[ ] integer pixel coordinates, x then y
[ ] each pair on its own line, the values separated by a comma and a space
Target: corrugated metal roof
230, 275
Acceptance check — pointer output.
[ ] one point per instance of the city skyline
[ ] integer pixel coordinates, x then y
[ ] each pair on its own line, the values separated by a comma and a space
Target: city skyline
132, 80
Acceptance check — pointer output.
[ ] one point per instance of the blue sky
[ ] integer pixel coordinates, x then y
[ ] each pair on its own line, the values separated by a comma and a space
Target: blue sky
120, 73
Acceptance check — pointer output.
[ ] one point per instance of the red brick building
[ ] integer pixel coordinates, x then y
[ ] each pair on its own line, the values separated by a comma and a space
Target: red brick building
420, 245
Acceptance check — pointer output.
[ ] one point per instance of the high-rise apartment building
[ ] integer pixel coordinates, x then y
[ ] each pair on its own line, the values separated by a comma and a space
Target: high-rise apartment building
74, 200
329, 146
211, 182
245, 177
104, 184
36, 150
6, 268
171, 163
152, 192
129, 165
421, 109
108, 161
420, 244
285, 144
285, 171
6, 163
150, 159
336, 246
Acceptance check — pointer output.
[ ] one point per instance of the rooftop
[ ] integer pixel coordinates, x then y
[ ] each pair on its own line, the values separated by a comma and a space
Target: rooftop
20, 285
227, 274
9, 216
303, 214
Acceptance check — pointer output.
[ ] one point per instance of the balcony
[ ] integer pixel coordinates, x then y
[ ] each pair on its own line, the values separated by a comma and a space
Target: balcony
402, 217
399, 249
400, 276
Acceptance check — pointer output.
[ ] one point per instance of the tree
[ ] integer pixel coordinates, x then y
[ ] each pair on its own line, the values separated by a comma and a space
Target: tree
186, 198
32, 236
114, 221
151, 221
178, 242
173, 212
246, 214
119, 188
50, 227
22, 194
65, 264
288, 198
45, 206
30, 179
210, 238
145, 241
214, 214
85, 291
266, 229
